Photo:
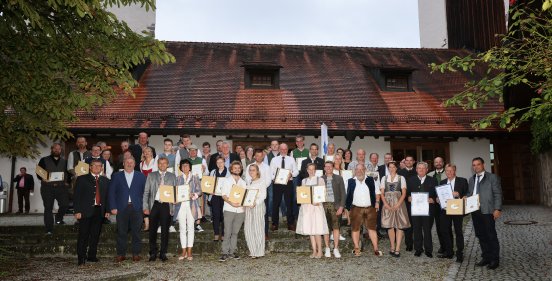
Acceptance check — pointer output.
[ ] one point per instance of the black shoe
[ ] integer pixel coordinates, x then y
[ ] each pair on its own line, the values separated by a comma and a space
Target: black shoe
445, 256
418, 253
60, 222
409, 249
81, 261
163, 257
492, 265
236, 257
223, 258
459, 259
440, 251
152, 258
92, 259
429, 255
482, 263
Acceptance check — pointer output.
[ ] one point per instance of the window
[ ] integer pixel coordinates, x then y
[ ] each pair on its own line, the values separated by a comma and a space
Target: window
262, 79
396, 83
392, 78
261, 75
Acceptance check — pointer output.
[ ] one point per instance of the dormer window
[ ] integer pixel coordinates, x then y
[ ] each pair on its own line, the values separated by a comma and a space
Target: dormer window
261, 75
392, 78
396, 82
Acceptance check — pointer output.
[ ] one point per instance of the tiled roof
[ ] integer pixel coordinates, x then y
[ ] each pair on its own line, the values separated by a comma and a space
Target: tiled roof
204, 91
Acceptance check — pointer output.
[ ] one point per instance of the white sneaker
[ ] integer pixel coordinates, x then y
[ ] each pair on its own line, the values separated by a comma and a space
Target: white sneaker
331, 237
172, 229
327, 253
341, 238
199, 228
336, 253
159, 230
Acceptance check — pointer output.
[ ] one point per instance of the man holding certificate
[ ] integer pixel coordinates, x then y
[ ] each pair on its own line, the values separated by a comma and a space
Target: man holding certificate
421, 195
487, 187
53, 186
284, 169
459, 187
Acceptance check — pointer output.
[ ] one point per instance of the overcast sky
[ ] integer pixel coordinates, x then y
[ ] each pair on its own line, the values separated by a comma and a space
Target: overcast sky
366, 23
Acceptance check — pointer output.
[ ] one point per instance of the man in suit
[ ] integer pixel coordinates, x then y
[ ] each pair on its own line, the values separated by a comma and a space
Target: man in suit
459, 188
488, 187
283, 161
334, 205
213, 158
90, 209
136, 149
73, 160
25, 186
159, 212
382, 169
407, 173
363, 203
126, 192
439, 175
421, 225
313, 158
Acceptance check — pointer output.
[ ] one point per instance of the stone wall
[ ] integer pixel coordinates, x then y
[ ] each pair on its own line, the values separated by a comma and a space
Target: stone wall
545, 170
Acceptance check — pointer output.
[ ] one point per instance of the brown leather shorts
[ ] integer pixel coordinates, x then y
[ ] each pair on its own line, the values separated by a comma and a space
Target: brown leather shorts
363, 216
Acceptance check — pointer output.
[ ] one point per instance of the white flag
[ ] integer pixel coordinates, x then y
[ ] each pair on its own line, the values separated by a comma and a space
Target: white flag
323, 139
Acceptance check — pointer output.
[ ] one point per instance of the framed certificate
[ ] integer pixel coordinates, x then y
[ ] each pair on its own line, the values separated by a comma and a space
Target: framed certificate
82, 169
56, 176
183, 193
304, 194
472, 204
208, 184
311, 194
420, 204
444, 192
197, 170
174, 194
299, 162
318, 194
250, 196
41, 173
237, 194
282, 176
319, 173
455, 206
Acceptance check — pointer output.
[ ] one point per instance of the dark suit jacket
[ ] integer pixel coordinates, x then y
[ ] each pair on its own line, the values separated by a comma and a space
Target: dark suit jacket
85, 193
213, 161
338, 187
407, 174
29, 182
119, 191
460, 185
381, 171
490, 192
317, 161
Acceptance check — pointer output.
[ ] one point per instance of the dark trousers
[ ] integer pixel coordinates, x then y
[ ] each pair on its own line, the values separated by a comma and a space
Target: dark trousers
160, 215
422, 233
437, 218
287, 190
446, 232
409, 232
89, 234
50, 193
23, 193
485, 231
217, 215
129, 220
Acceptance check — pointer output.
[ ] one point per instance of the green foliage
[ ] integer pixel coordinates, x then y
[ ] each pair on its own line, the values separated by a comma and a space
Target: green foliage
524, 57
61, 56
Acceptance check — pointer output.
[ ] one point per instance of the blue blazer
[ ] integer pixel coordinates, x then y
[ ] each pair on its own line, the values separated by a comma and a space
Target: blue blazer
119, 191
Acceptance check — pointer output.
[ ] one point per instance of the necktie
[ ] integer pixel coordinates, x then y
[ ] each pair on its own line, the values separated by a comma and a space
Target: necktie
476, 185
283, 162
98, 198
438, 176
163, 179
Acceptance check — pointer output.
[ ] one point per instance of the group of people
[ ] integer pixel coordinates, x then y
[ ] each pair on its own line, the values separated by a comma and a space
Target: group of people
372, 197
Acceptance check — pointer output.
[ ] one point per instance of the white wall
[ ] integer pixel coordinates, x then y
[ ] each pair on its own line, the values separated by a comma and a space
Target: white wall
432, 17
464, 150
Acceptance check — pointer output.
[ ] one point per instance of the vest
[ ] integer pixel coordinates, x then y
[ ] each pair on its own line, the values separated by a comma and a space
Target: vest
171, 158
184, 154
371, 187
196, 161
52, 167
76, 157
270, 155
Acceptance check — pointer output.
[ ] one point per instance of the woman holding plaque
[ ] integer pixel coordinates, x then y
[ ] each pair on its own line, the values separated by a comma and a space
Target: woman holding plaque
216, 201
312, 219
394, 215
188, 211
254, 216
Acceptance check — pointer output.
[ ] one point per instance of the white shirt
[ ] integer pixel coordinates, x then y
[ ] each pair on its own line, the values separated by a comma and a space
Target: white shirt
128, 177
161, 183
361, 195
289, 163
476, 183
226, 188
451, 182
396, 179
422, 179
151, 165
266, 175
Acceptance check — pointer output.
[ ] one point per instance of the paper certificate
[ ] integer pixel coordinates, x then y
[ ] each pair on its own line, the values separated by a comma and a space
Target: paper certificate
56, 176
82, 169
319, 173
444, 192
455, 206
472, 204
318, 194
299, 162
237, 194
197, 170
282, 176
329, 158
218, 186
208, 184
346, 175
250, 196
183, 193
420, 204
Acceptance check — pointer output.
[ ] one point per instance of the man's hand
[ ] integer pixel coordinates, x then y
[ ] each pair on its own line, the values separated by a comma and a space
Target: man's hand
497, 214
409, 199
78, 216
146, 212
339, 211
430, 200
114, 212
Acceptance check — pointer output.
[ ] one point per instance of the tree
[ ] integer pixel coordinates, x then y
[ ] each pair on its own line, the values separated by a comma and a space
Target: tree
62, 56
523, 60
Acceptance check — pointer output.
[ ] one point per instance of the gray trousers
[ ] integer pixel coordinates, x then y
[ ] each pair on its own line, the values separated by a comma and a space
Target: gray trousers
232, 225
